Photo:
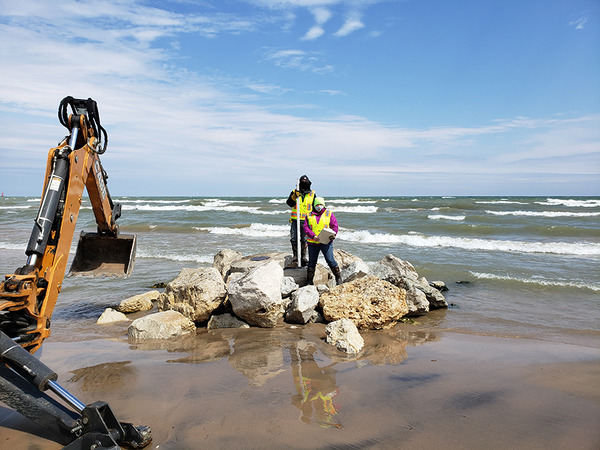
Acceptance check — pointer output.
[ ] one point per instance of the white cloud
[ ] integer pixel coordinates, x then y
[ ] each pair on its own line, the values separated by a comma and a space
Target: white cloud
298, 59
351, 25
579, 24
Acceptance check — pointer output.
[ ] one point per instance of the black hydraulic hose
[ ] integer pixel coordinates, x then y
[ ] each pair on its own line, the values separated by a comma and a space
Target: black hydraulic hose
49, 205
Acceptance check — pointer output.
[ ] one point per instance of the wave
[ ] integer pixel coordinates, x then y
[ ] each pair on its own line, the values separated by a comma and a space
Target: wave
213, 206
278, 201
152, 201
254, 230
355, 209
571, 203
444, 217
544, 213
538, 281
15, 207
12, 246
174, 257
348, 201
420, 240
502, 202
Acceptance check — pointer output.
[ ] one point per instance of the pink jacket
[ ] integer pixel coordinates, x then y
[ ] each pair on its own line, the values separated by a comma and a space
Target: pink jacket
332, 223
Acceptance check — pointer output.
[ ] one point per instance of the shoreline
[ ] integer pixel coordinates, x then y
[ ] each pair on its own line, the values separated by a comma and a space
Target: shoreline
412, 386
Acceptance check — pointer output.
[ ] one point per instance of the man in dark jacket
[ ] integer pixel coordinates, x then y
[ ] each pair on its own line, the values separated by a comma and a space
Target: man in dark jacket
304, 196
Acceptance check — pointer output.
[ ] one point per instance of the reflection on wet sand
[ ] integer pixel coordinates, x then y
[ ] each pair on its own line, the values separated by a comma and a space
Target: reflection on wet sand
316, 386
262, 354
115, 374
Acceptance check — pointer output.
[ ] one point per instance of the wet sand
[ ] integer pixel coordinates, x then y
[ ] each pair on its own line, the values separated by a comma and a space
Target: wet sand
412, 387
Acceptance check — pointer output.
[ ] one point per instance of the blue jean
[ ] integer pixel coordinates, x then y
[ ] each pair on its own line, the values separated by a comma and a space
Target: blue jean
326, 249
294, 233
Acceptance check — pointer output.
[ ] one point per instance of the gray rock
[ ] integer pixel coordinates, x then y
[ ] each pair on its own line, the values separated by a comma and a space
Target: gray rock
223, 259
140, 302
354, 270
439, 285
161, 325
288, 286
394, 269
436, 298
417, 302
195, 293
110, 316
247, 263
256, 296
302, 308
345, 336
225, 321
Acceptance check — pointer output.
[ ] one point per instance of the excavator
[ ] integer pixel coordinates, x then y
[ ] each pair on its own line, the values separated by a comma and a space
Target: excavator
28, 297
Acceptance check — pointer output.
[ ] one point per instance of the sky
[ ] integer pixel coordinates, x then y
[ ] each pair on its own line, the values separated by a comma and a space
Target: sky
366, 97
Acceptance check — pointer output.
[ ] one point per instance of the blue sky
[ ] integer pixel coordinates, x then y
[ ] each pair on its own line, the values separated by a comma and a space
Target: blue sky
208, 97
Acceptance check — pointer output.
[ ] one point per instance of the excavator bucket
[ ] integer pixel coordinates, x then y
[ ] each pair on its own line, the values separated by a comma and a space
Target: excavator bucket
101, 255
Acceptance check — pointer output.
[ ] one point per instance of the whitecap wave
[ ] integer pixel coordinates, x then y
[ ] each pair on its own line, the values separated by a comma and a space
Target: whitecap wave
420, 240
538, 281
572, 203
501, 202
254, 230
139, 201
182, 257
213, 206
355, 209
544, 213
348, 201
444, 217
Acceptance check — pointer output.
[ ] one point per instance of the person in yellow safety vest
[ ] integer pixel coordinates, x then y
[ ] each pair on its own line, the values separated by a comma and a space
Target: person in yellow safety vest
319, 219
306, 196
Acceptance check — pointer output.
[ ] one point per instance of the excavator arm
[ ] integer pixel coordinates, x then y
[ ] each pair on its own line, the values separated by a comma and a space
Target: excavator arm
28, 297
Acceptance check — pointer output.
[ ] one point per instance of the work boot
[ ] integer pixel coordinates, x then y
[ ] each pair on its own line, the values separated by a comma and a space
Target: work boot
294, 262
310, 275
304, 255
337, 274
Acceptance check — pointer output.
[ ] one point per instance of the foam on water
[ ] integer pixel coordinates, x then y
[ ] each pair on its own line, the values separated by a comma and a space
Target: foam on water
538, 281
544, 213
445, 217
572, 203
421, 240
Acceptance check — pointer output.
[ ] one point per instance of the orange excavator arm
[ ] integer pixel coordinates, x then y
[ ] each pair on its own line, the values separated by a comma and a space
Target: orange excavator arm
28, 297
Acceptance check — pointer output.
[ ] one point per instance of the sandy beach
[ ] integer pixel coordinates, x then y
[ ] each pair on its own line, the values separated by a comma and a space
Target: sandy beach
412, 387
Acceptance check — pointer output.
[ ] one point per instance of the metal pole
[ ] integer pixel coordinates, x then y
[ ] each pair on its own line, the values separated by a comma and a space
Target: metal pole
298, 215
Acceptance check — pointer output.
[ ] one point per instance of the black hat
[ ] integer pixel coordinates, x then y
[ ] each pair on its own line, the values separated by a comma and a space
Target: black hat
304, 183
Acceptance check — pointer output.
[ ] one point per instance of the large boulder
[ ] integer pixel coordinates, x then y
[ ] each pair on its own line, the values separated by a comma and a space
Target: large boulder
351, 266
345, 336
394, 270
161, 325
435, 298
140, 302
256, 296
223, 259
247, 263
111, 316
195, 293
302, 308
417, 302
369, 302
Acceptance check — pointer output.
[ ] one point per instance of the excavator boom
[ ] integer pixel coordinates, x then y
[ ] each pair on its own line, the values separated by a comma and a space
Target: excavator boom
28, 297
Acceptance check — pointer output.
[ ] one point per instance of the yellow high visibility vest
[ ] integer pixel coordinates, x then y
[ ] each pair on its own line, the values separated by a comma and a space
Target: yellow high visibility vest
305, 206
318, 227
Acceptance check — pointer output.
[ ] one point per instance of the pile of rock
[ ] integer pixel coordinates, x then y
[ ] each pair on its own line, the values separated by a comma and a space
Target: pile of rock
258, 290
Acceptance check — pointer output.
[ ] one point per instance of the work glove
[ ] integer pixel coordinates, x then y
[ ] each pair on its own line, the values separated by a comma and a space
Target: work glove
331, 238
